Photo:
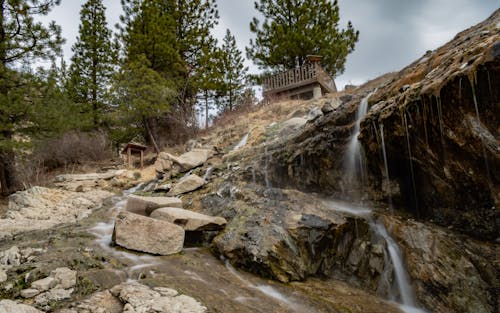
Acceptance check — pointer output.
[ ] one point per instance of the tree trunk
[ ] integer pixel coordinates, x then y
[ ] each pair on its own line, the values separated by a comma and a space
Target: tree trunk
150, 135
206, 109
8, 176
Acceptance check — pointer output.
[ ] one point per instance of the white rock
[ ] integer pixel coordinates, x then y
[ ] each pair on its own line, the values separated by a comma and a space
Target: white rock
11, 256
89, 176
53, 295
44, 284
146, 205
29, 293
8, 306
189, 220
189, 160
65, 278
140, 233
140, 298
188, 184
42, 208
3, 276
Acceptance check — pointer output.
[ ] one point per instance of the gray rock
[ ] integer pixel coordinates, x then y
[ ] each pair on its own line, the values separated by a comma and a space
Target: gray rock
185, 162
29, 293
9, 306
140, 298
163, 188
44, 284
52, 295
64, 277
291, 126
3, 276
188, 184
89, 176
140, 233
146, 205
189, 220
314, 114
11, 256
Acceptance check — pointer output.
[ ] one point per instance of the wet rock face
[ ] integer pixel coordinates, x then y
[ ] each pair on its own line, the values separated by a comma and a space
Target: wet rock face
290, 236
447, 125
441, 112
450, 274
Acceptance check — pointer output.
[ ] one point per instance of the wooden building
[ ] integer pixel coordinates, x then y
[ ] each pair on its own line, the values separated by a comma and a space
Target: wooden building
136, 149
305, 82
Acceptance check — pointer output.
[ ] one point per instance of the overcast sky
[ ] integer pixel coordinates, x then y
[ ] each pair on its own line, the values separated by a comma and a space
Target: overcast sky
393, 33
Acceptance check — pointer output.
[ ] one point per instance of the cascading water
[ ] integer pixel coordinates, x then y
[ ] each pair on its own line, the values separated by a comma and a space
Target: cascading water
355, 165
354, 157
241, 143
386, 167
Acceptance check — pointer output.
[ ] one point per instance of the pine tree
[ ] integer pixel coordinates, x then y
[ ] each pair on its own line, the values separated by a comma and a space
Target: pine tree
149, 30
293, 29
193, 20
140, 94
93, 61
22, 40
210, 78
234, 71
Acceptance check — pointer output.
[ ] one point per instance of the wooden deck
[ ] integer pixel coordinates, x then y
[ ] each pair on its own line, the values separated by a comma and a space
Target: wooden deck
303, 82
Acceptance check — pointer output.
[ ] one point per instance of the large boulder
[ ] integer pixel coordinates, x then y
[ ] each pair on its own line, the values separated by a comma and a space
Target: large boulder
145, 205
189, 220
169, 163
188, 184
140, 233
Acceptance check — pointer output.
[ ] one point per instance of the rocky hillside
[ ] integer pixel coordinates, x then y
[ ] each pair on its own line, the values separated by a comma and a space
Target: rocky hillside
380, 199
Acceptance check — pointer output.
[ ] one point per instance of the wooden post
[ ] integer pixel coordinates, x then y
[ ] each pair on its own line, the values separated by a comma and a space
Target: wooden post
142, 159
129, 157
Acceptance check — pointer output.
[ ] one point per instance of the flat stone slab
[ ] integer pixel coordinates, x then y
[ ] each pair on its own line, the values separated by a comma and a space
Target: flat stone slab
89, 176
141, 233
189, 220
188, 184
146, 205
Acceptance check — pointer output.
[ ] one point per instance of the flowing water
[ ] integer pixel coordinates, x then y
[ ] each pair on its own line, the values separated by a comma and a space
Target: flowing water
386, 168
241, 143
403, 283
198, 273
410, 160
355, 165
404, 292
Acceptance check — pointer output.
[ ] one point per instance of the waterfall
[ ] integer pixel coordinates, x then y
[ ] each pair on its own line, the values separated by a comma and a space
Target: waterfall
354, 161
386, 167
403, 282
241, 143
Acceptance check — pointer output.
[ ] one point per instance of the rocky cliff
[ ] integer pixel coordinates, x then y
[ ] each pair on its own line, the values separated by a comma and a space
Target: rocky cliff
437, 121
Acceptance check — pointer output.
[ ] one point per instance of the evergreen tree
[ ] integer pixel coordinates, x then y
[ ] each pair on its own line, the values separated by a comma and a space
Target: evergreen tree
22, 40
149, 30
234, 71
93, 60
210, 78
293, 29
140, 94
193, 20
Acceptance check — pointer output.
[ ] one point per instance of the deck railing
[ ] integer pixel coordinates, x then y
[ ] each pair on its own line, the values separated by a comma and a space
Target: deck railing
307, 73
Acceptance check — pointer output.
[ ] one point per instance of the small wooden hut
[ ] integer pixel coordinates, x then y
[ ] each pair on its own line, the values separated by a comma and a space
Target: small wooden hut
136, 149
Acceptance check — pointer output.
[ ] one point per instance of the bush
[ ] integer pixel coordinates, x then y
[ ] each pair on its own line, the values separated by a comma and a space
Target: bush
70, 149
